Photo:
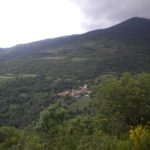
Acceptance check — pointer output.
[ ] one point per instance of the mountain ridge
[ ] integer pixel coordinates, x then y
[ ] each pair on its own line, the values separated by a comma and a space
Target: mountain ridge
129, 22
120, 48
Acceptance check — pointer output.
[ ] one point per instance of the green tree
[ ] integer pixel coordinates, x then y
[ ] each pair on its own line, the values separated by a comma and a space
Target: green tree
123, 102
50, 119
14, 139
8, 137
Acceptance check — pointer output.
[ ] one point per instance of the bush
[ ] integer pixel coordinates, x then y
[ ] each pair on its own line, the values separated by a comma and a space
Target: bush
140, 136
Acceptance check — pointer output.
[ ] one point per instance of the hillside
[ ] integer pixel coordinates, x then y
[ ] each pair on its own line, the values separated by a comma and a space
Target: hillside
33, 74
123, 47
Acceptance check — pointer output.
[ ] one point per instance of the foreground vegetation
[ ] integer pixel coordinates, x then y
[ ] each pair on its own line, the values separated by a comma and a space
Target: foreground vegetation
117, 118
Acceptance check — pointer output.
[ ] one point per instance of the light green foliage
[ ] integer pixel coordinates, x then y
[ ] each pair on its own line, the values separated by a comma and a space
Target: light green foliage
8, 137
140, 136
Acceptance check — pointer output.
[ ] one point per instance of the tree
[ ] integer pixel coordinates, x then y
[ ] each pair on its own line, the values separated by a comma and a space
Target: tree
50, 119
15, 139
123, 102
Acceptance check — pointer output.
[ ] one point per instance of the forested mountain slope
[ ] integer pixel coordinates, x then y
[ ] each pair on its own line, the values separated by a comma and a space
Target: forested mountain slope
34, 73
123, 47
113, 116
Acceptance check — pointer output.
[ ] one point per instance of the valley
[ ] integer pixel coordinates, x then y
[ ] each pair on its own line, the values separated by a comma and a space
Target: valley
45, 105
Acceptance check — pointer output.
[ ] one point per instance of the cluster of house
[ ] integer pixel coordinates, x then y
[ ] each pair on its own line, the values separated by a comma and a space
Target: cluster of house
82, 91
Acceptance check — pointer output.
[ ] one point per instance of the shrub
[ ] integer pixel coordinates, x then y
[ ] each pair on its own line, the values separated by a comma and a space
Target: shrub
140, 136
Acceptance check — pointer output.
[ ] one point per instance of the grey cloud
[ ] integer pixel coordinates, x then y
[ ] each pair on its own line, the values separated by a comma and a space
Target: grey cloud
104, 13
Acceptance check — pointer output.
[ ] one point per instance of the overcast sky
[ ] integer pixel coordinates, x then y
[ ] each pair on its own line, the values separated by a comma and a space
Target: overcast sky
104, 13
24, 21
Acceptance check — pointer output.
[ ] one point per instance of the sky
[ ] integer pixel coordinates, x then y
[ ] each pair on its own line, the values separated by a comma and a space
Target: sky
23, 21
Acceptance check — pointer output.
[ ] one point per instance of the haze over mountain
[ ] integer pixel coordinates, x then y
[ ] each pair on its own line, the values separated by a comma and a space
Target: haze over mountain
123, 47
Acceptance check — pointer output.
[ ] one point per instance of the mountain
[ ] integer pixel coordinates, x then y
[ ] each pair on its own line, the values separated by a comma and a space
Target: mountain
32, 75
132, 28
120, 48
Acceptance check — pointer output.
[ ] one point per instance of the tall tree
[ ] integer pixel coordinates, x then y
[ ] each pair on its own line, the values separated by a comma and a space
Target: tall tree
123, 102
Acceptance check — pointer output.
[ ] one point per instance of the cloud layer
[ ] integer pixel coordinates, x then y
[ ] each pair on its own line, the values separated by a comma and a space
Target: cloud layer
104, 13
23, 21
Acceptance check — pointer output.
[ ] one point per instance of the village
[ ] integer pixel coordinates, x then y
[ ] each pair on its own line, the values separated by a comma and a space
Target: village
81, 91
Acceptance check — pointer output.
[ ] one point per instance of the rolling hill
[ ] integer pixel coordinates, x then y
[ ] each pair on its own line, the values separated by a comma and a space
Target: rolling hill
123, 47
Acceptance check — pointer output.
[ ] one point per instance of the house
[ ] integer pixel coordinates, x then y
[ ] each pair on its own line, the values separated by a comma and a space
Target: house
81, 91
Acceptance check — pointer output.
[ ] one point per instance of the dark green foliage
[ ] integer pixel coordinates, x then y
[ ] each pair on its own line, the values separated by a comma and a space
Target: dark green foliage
123, 102
50, 118
22, 99
13, 139
81, 132
8, 137
84, 56
118, 103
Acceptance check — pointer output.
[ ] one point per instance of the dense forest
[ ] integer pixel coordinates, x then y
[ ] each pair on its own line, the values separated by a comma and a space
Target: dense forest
116, 118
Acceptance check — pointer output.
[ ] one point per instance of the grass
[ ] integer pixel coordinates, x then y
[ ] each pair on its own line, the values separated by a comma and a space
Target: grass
51, 58
76, 59
7, 77
26, 75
